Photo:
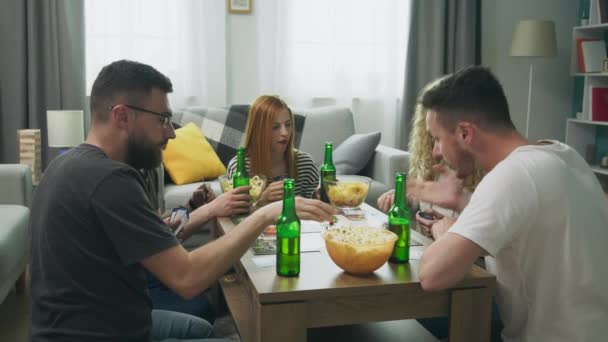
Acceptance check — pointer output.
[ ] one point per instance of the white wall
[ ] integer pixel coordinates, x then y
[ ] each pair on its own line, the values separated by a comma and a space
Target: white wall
242, 72
552, 83
552, 87
242, 57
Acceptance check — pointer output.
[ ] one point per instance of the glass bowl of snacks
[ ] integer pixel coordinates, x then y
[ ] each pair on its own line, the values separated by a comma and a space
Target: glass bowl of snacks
347, 192
359, 250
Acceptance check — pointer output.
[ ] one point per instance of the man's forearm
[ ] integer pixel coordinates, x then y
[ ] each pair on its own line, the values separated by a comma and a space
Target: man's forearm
199, 217
211, 261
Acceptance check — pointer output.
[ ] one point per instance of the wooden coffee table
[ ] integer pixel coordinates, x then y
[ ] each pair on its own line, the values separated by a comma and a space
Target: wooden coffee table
269, 308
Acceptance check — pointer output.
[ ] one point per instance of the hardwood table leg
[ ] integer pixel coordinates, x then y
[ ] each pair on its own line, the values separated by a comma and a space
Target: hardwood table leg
470, 315
281, 322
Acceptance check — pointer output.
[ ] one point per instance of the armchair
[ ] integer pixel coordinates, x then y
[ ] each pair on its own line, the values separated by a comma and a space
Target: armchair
15, 197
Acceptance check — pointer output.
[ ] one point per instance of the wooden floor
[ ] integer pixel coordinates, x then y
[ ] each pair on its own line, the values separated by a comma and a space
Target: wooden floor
15, 316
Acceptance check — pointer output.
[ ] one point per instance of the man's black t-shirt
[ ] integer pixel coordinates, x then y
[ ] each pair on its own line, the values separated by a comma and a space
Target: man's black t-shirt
91, 225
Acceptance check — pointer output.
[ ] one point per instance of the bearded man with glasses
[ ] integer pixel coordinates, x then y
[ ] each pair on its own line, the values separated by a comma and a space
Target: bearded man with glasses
94, 231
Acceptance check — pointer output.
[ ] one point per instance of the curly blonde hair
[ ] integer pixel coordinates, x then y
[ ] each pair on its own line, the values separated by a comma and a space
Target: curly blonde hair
421, 146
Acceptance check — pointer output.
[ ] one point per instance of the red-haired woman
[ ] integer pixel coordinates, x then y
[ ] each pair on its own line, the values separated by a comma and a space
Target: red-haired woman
269, 142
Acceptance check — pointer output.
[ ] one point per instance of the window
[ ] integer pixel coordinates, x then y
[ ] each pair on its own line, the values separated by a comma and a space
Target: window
182, 39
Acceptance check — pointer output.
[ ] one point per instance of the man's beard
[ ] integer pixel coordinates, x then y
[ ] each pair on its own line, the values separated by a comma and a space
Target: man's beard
463, 163
143, 156
466, 164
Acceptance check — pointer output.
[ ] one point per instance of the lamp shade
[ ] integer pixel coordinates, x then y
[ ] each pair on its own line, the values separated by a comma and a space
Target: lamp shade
534, 38
65, 128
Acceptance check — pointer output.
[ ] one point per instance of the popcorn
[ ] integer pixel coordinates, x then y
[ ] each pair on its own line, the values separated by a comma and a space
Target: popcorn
360, 235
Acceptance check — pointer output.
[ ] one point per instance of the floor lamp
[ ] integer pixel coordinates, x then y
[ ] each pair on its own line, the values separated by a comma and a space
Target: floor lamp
65, 129
533, 38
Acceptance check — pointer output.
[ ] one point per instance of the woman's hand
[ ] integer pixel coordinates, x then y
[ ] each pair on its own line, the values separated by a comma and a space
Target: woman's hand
272, 193
306, 209
316, 194
385, 201
201, 196
447, 192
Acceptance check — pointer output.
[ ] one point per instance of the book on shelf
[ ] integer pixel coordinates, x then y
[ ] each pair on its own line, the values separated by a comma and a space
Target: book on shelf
579, 53
594, 54
603, 11
599, 104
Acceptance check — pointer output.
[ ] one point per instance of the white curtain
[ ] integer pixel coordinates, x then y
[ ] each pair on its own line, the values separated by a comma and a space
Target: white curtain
185, 40
344, 52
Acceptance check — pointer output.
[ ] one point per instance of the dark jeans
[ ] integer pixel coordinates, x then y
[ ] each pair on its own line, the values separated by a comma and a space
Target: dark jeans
163, 298
439, 326
169, 326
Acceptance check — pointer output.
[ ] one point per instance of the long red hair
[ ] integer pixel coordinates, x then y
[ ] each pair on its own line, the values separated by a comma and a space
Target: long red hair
263, 112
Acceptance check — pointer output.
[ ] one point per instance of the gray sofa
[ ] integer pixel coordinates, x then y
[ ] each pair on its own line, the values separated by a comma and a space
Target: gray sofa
321, 124
15, 197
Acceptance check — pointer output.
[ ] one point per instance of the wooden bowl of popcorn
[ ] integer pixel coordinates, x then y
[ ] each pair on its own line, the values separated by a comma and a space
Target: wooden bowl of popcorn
359, 250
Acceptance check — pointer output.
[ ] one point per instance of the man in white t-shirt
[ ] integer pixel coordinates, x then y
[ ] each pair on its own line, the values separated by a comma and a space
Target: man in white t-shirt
539, 215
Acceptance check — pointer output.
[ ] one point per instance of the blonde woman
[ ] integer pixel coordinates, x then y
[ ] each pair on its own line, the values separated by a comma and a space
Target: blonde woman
269, 144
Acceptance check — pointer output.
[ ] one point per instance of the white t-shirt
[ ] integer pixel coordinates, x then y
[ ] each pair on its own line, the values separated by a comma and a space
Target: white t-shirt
542, 216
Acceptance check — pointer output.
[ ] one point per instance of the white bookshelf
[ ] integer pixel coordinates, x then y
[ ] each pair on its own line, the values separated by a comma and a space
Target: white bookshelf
582, 132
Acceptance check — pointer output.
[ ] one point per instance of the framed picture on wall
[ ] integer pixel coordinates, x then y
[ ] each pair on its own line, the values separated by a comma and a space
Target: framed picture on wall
239, 6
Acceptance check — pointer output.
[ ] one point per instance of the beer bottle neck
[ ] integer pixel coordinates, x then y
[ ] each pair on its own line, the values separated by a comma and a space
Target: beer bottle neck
240, 160
289, 202
328, 155
400, 192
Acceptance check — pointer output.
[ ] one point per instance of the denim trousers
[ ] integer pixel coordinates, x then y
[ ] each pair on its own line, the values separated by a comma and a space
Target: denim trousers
170, 326
163, 298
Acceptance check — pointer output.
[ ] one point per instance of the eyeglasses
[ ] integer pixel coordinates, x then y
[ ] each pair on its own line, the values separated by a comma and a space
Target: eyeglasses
165, 118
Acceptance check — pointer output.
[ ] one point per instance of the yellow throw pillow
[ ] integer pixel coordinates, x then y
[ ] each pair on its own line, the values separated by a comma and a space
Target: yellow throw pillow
190, 158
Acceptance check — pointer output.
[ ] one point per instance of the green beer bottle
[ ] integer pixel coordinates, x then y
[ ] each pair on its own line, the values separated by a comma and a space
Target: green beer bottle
399, 222
288, 234
328, 170
240, 177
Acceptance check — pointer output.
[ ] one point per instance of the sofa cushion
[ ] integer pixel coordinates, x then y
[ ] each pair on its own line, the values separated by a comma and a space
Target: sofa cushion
354, 153
323, 124
190, 158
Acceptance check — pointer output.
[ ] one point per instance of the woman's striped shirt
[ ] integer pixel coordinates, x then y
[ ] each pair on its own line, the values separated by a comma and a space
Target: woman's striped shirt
308, 174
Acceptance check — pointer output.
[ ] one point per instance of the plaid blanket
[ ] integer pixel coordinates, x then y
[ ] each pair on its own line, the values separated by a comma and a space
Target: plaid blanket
224, 128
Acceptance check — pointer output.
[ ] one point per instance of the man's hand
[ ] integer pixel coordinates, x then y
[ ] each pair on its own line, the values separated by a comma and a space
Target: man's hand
437, 226
201, 196
181, 236
235, 201
306, 209
385, 201
447, 192
272, 193
172, 225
